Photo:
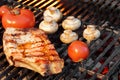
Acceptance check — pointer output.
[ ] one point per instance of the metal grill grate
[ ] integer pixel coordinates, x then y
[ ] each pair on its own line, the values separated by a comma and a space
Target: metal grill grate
104, 13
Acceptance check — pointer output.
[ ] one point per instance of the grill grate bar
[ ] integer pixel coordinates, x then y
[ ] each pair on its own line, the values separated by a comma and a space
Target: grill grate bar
100, 2
19, 4
66, 9
85, 13
106, 4
7, 70
62, 51
69, 11
3, 60
91, 73
23, 73
46, 4
2, 56
105, 50
26, 2
32, 3
72, 72
100, 45
13, 73
83, 75
112, 43
88, 14
58, 5
113, 5
3, 65
39, 3
34, 76
113, 68
106, 62
64, 72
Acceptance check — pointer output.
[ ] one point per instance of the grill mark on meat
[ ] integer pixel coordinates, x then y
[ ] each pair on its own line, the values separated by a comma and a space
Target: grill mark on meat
23, 30
32, 49
10, 41
35, 54
16, 34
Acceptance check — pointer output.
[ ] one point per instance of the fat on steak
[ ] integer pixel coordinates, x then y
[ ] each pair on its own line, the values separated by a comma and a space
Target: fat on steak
31, 49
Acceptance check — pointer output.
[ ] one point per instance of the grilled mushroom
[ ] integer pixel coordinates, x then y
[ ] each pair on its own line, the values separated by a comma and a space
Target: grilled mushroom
68, 36
91, 33
54, 13
71, 23
48, 25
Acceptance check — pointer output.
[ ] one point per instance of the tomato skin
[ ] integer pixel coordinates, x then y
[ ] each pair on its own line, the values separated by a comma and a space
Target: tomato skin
25, 19
4, 9
78, 51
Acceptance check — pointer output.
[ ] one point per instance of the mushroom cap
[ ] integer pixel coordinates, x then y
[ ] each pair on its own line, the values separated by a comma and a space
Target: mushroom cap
71, 23
55, 13
48, 27
68, 36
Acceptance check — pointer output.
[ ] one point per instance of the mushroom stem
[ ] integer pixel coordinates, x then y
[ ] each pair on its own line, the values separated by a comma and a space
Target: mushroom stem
16, 11
52, 11
88, 42
91, 33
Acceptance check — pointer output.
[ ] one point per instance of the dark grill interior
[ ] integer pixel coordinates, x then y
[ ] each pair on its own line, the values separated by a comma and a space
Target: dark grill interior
104, 52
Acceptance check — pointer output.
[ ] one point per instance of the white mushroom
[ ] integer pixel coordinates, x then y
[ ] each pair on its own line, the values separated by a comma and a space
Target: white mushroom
71, 23
91, 33
48, 25
68, 36
54, 13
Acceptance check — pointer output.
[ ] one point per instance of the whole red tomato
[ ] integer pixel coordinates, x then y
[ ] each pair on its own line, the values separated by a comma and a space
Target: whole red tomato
20, 18
78, 51
4, 9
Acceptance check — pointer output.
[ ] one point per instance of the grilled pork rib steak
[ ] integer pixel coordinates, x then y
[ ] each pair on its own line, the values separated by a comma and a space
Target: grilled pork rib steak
31, 48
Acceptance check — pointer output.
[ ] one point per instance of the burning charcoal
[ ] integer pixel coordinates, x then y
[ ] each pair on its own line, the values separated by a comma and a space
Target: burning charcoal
105, 70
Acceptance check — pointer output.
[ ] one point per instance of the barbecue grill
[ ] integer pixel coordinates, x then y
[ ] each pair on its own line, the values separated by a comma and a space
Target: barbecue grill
103, 62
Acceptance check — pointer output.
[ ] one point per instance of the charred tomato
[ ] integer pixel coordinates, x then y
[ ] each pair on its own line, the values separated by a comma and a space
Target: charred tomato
4, 9
78, 51
19, 18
